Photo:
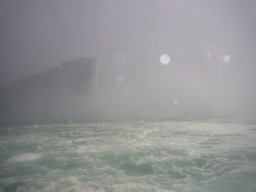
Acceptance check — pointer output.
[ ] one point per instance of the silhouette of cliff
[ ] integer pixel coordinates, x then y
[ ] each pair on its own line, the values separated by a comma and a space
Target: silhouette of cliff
40, 95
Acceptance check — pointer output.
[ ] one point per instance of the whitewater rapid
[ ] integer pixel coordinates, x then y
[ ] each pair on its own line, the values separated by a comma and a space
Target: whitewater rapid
134, 155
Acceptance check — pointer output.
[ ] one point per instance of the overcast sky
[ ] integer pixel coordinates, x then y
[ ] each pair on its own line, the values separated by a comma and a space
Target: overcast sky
36, 35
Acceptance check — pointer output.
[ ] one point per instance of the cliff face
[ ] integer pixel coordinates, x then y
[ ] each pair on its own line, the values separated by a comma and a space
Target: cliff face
42, 95
198, 81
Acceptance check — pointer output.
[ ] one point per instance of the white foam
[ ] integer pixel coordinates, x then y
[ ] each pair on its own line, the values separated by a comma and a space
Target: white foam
24, 157
180, 153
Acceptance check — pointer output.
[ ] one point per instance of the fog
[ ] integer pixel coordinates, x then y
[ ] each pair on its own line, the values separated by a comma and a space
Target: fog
153, 59
199, 82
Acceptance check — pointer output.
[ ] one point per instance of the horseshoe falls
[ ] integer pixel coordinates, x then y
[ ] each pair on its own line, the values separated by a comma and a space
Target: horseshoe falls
163, 120
194, 154
128, 96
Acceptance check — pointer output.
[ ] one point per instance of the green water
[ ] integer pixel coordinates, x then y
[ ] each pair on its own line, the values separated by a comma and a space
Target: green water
139, 155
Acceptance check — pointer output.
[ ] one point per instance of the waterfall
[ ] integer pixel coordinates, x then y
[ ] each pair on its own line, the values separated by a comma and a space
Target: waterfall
196, 80
111, 70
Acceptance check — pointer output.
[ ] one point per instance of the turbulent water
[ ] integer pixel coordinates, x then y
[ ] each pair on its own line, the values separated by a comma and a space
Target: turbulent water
136, 155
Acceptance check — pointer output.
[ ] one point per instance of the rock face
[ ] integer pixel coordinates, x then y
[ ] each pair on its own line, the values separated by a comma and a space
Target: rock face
189, 82
41, 96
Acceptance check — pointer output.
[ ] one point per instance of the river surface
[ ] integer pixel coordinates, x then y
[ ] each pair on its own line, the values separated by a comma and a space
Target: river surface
214, 154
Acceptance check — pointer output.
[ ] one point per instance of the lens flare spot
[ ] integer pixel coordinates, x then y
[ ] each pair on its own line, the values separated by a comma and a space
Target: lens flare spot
165, 59
226, 58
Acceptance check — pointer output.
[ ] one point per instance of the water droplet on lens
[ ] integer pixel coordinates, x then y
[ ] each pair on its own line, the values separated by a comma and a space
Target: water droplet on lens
119, 78
165, 59
226, 58
175, 101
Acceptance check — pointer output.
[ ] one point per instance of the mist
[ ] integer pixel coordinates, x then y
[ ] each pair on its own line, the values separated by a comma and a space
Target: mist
200, 82
150, 59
